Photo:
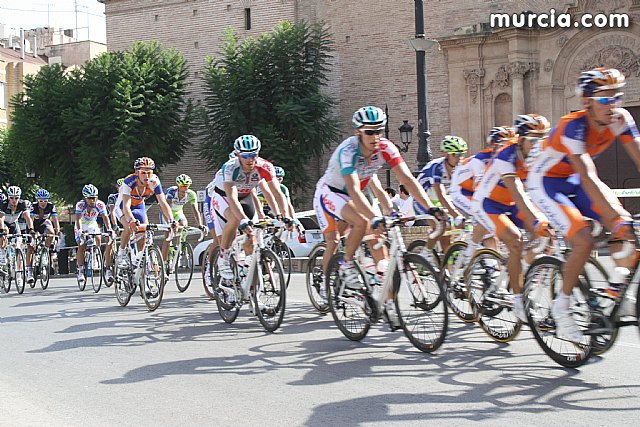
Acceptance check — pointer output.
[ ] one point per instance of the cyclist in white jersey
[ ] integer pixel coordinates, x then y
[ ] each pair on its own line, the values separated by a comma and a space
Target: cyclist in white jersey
87, 212
11, 210
233, 206
339, 193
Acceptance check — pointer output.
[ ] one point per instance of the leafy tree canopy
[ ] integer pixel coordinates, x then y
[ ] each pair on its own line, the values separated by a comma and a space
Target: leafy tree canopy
271, 87
90, 124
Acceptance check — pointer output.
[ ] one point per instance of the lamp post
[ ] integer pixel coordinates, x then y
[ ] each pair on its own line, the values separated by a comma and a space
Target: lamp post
406, 135
420, 44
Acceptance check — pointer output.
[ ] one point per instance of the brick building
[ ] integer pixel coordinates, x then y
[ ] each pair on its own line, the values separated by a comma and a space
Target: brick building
478, 76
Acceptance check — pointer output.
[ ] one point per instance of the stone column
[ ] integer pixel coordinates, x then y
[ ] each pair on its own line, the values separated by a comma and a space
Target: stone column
517, 70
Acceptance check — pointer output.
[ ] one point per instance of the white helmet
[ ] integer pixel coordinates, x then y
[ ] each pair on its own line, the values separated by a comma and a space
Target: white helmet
14, 191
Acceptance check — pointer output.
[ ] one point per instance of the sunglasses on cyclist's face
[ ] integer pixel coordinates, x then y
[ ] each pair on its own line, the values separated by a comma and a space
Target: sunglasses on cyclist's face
91, 198
42, 200
183, 186
608, 100
456, 154
145, 171
248, 155
372, 132
14, 198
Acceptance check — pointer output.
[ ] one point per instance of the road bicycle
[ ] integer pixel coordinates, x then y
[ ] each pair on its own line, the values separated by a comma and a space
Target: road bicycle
415, 285
594, 310
142, 269
93, 261
16, 263
42, 259
262, 285
273, 241
180, 261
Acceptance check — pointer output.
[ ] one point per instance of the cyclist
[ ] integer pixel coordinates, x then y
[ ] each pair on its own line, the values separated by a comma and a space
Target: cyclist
45, 221
111, 203
178, 196
87, 211
339, 193
501, 205
233, 204
130, 208
564, 183
435, 178
11, 211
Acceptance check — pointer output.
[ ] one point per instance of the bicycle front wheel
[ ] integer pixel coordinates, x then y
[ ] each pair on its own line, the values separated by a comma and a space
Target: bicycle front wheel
455, 289
421, 304
270, 296
315, 279
123, 283
542, 279
93, 268
349, 308
44, 267
490, 297
19, 272
184, 267
228, 305
284, 253
153, 278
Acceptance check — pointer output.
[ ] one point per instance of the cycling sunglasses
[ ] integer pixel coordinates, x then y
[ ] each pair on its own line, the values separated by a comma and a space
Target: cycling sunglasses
248, 155
608, 100
373, 131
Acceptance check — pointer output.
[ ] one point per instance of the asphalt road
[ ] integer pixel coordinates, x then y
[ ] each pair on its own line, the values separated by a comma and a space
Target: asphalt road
77, 358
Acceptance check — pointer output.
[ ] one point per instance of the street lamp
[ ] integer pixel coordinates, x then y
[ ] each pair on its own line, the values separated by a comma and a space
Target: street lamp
406, 135
420, 44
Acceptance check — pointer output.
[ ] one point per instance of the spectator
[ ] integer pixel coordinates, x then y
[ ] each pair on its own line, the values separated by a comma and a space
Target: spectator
395, 200
406, 203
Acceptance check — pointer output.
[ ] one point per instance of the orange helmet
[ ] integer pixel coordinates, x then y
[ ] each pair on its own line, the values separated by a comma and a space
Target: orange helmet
144, 162
500, 134
599, 79
531, 123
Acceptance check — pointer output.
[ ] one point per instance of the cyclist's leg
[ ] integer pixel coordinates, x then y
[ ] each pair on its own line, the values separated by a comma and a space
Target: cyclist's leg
250, 211
329, 225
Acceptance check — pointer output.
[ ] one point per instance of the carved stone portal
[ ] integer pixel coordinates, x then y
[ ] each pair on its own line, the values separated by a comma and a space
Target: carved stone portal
620, 57
502, 77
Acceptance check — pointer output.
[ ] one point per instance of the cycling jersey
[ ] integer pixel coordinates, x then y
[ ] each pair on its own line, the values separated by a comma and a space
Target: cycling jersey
130, 187
464, 179
434, 172
89, 214
348, 159
554, 185
232, 172
492, 204
11, 219
177, 204
41, 217
331, 192
112, 199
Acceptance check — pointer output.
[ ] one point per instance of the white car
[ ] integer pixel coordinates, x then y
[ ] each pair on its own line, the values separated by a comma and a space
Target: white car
299, 249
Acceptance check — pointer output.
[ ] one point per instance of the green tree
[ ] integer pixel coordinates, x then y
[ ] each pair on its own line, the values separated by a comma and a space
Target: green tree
271, 87
90, 124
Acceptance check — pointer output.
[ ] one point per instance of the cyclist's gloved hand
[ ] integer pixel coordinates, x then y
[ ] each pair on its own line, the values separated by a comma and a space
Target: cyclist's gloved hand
244, 223
458, 221
203, 228
376, 222
394, 215
541, 227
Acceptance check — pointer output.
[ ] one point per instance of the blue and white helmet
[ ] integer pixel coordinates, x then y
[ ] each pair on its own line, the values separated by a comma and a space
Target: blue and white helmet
89, 190
247, 144
42, 194
369, 116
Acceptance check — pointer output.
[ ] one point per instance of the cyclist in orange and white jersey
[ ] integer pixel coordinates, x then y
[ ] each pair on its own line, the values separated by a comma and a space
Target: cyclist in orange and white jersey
564, 182
130, 208
501, 205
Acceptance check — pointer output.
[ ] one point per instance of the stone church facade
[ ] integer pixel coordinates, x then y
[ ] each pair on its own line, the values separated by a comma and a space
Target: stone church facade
477, 76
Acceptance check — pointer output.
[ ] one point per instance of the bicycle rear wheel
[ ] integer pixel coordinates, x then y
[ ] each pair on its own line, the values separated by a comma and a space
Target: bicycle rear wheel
93, 268
419, 247
315, 279
44, 267
489, 299
542, 279
349, 309
19, 272
208, 269
153, 278
421, 304
455, 292
184, 267
270, 297
228, 310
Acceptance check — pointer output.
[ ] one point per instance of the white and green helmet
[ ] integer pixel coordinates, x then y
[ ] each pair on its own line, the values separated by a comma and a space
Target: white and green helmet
184, 180
453, 145
369, 116
246, 144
